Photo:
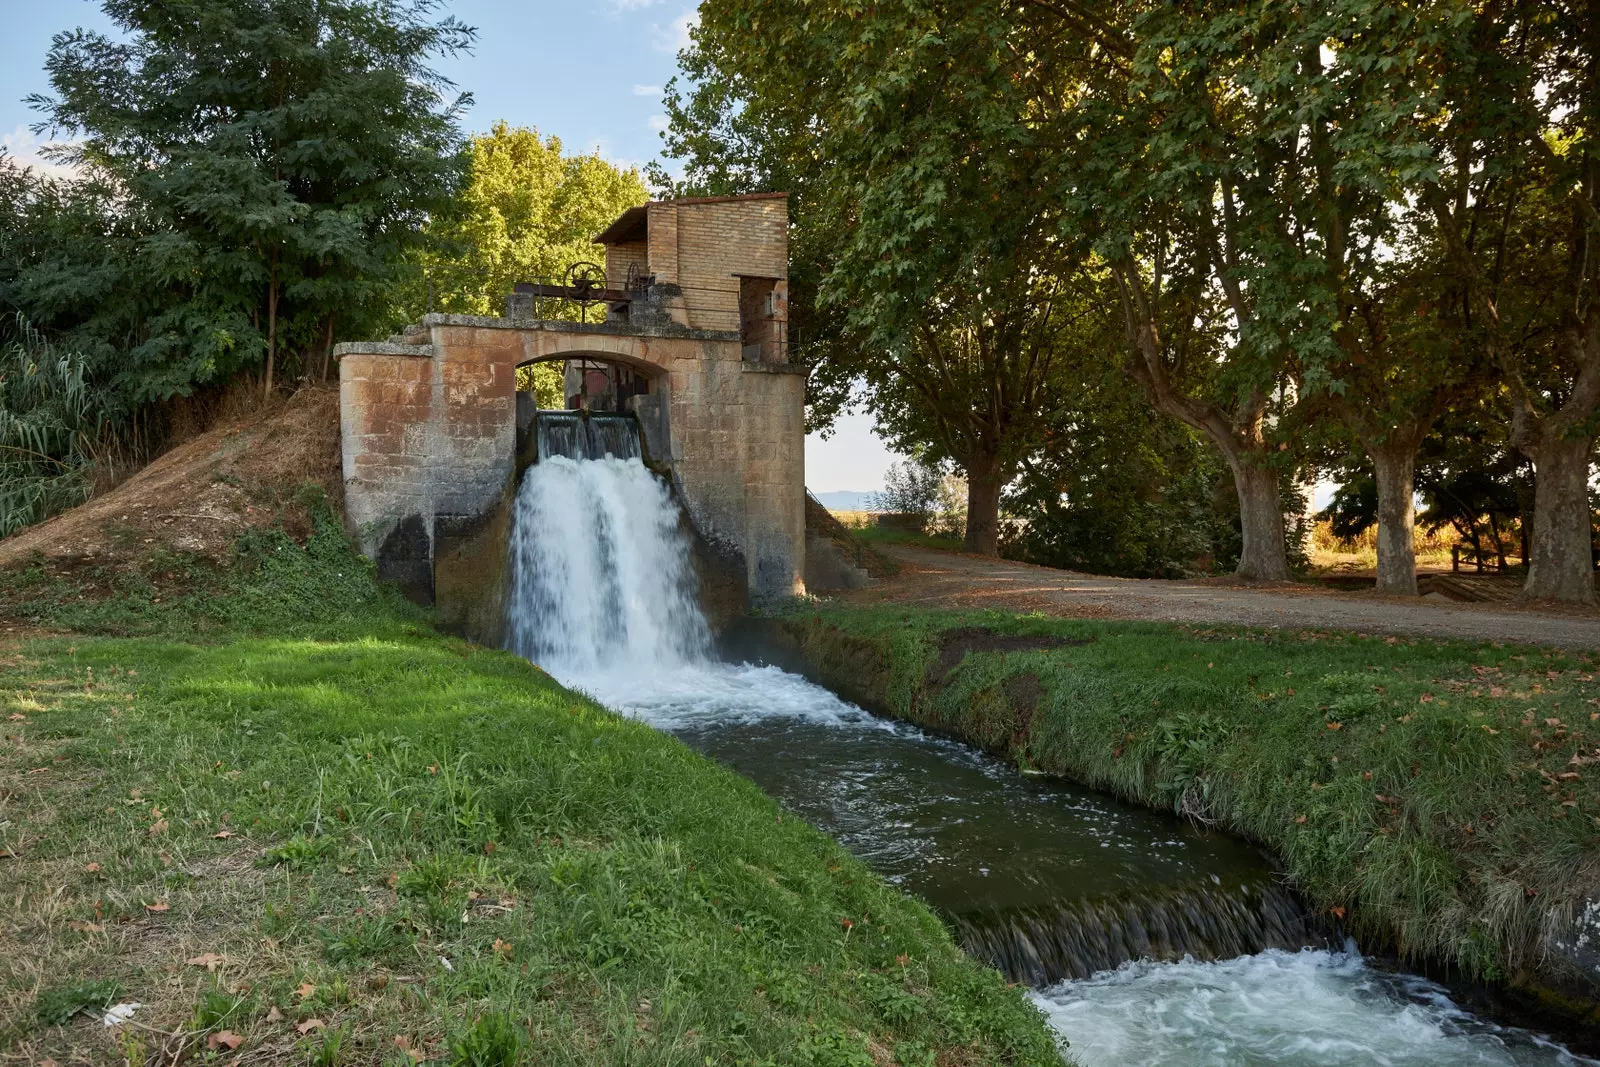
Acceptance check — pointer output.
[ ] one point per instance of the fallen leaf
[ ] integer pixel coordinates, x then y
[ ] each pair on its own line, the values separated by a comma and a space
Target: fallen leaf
305, 991
17, 716
1336, 912
309, 1025
1336, 726
86, 927
222, 835
224, 1039
208, 960
157, 827
91, 868
1299, 818
501, 948
160, 905
274, 1015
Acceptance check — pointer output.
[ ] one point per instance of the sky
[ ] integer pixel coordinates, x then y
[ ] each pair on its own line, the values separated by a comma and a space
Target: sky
591, 73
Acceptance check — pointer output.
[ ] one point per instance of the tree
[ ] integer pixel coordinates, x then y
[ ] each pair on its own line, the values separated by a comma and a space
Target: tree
1250, 157
956, 346
1517, 212
525, 211
1202, 147
1118, 488
280, 159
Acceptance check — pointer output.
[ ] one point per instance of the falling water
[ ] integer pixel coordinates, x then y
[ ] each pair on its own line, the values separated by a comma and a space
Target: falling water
601, 579
1173, 941
578, 435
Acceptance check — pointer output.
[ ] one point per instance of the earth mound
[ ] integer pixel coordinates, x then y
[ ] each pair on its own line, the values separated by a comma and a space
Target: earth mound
197, 498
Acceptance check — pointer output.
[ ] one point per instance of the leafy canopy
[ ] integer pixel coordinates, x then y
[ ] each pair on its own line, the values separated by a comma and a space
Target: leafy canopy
277, 157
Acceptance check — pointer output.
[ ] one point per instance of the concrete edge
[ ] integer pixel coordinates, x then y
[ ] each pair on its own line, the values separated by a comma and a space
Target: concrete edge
773, 368
383, 348
614, 329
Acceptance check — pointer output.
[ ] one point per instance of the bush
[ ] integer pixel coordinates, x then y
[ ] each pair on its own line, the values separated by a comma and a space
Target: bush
51, 422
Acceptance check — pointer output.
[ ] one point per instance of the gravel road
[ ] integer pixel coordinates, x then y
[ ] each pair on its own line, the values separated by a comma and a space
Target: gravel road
944, 579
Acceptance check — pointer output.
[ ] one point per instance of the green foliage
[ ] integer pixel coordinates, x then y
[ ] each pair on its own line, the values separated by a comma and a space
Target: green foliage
56, 1005
494, 1040
526, 211
271, 162
1427, 789
52, 419
1118, 489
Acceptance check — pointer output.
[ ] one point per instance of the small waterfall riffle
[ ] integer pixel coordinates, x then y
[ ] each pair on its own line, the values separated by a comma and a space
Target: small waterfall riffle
1209, 918
601, 579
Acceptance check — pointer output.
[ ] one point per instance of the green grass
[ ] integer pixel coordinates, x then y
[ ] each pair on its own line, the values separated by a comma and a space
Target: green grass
873, 534
292, 814
1439, 796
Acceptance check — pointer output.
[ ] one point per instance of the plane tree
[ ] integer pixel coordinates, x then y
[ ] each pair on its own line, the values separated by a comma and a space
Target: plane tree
1517, 212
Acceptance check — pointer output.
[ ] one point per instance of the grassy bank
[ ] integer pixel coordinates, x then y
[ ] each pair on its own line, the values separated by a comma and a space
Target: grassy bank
1438, 798
293, 823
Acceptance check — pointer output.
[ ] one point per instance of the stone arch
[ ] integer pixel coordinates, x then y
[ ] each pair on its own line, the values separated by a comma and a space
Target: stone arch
636, 353
643, 367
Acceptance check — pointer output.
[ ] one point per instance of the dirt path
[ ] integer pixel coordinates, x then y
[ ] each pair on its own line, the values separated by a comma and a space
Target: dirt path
943, 579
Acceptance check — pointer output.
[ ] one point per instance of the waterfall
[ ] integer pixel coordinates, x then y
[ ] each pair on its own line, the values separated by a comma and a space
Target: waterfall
587, 436
601, 581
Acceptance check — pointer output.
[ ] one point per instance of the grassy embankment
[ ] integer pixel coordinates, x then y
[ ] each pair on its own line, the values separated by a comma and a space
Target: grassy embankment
1439, 797
273, 807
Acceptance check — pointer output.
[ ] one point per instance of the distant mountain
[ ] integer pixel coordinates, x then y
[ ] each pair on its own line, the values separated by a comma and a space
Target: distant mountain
846, 500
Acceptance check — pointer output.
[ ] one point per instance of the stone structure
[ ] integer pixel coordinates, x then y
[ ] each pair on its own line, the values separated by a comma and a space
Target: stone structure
430, 427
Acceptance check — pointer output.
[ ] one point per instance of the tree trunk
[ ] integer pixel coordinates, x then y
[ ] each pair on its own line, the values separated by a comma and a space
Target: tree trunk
1562, 567
1261, 557
272, 335
1394, 467
327, 350
984, 482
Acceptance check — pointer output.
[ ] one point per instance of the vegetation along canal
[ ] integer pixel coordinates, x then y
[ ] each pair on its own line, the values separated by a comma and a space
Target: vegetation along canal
1145, 940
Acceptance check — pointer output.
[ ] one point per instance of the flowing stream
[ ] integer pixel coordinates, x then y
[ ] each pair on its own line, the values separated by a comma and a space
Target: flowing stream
1145, 940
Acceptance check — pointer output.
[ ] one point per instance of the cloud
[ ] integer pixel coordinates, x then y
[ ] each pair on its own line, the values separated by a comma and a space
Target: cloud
659, 123
674, 37
23, 146
622, 6
647, 90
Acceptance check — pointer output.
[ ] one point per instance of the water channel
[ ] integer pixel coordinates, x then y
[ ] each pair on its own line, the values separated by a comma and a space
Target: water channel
1144, 939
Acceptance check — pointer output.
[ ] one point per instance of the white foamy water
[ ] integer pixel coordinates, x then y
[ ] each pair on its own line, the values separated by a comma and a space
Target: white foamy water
600, 574
1279, 1009
603, 598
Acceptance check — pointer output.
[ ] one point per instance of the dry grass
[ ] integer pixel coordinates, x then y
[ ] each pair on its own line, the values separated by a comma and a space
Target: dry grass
1356, 555
197, 498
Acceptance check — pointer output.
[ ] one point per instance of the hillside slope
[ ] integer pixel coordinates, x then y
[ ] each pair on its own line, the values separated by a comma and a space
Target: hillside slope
197, 498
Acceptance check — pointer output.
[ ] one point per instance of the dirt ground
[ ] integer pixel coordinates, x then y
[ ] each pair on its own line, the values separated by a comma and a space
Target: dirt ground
200, 496
945, 579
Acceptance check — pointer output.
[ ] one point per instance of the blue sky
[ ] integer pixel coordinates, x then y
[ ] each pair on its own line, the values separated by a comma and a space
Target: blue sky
589, 72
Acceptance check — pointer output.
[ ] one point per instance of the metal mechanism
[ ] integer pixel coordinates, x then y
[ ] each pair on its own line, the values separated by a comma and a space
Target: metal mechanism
585, 283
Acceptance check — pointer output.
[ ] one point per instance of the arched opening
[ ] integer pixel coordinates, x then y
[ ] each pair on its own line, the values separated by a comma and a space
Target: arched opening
585, 403
601, 382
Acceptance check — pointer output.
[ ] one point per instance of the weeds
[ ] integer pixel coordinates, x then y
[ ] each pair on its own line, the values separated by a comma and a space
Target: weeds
57, 1004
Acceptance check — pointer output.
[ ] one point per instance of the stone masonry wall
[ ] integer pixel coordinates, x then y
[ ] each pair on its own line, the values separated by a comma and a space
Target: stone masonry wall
429, 438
